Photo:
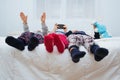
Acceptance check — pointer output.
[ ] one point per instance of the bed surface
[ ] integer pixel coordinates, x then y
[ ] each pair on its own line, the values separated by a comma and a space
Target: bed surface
41, 65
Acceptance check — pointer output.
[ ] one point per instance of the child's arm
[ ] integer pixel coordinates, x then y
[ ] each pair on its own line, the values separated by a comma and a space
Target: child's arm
65, 28
96, 33
68, 33
55, 28
59, 26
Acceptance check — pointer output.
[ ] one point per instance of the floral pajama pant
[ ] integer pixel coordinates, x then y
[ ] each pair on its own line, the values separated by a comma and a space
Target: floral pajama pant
80, 40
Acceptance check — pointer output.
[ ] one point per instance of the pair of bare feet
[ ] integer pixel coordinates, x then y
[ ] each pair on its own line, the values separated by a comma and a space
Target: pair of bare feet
24, 17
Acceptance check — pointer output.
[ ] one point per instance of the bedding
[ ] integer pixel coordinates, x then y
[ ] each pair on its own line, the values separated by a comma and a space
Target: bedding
41, 65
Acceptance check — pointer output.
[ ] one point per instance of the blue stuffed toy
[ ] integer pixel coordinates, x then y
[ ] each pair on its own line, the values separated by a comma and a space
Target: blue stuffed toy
101, 29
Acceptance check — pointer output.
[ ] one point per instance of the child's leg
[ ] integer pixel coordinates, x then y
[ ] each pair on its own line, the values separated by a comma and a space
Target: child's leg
60, 41
89, 44
49, 42
76, 54
16, 43
35, 41
75, 40
26, 37
99, 53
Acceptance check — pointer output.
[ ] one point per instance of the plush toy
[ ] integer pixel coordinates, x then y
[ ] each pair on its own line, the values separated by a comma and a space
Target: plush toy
100, 31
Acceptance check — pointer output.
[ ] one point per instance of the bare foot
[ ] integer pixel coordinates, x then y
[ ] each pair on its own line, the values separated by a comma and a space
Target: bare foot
23, 17
43, 17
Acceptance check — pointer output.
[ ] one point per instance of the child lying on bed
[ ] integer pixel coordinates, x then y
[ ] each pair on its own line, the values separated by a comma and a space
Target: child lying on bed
100, 31
80, 38
75, 39
28, 38
57, 38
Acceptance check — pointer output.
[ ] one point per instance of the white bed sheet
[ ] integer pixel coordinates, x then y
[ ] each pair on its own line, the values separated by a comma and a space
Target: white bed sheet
41, 65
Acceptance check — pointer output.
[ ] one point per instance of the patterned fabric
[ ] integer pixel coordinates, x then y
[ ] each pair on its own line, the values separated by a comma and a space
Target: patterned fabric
80, 40
27, 35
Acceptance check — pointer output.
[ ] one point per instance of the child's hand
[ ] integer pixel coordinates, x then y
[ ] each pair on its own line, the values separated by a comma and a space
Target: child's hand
23, 17
55, 26
65, 28
43, 17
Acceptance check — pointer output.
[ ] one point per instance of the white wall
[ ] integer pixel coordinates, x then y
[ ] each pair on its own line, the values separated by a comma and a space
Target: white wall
9, 15
106, 11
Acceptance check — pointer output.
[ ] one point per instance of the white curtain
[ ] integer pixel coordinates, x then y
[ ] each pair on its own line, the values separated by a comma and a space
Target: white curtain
66, 9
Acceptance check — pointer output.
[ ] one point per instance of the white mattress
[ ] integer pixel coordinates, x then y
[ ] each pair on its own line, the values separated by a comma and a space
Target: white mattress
41, 65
